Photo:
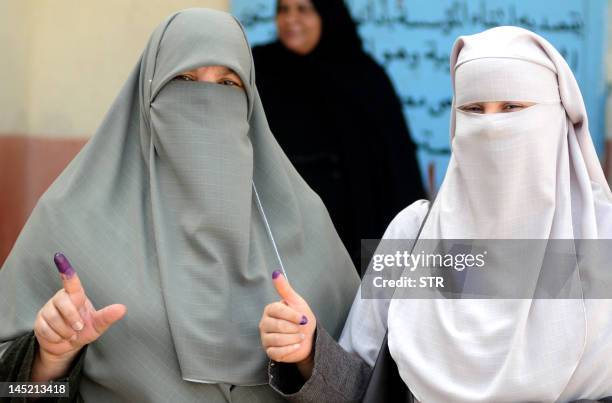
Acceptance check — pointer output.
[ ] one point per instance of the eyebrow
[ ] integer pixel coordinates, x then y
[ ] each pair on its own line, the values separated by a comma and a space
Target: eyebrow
227, 70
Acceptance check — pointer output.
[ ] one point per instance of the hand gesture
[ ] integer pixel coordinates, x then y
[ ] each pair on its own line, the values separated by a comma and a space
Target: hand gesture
287, 327
69, 321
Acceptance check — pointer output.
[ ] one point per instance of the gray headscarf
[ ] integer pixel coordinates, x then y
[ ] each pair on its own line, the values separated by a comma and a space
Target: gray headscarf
159, 212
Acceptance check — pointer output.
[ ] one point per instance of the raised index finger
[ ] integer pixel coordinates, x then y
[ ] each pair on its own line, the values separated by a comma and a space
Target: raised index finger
71, 281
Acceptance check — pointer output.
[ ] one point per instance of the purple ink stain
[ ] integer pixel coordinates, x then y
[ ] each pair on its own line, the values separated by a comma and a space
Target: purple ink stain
304, 320
63, 265
275, 274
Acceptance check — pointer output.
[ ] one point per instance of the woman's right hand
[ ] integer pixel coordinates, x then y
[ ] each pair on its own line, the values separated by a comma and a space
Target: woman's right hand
66, 323
287, 328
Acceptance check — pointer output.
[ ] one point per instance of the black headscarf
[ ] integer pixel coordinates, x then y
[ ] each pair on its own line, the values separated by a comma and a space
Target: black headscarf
339, 35
335, 113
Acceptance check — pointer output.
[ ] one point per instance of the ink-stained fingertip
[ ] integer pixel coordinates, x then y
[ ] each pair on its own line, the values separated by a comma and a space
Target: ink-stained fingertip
63, 265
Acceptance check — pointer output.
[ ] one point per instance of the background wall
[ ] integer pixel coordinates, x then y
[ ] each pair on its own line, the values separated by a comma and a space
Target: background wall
412, 40
63, 62
608, 129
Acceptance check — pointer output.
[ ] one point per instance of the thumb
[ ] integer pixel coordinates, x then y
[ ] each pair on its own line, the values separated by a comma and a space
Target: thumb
107, 316
284, 289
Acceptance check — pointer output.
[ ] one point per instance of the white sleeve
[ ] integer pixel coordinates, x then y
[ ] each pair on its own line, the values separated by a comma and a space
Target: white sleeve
366, 324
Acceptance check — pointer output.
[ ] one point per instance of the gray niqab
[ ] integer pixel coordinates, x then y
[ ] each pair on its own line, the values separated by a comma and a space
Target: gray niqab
158, 212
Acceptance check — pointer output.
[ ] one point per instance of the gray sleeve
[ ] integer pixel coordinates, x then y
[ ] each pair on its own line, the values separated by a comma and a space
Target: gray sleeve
337, 375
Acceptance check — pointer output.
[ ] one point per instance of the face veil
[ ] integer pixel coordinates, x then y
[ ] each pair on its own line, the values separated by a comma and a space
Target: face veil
158, 212
526, 175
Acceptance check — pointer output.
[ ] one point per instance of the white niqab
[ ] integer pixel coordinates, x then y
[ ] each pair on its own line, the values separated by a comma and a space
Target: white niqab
532, 174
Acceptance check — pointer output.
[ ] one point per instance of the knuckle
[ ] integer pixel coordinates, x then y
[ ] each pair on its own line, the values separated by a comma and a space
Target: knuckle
287, 327
63, 305
37, 324
58, 297
45, 331
51, 315
40, 331
48, 305
271, 311
269, 341
279, 307
284, 311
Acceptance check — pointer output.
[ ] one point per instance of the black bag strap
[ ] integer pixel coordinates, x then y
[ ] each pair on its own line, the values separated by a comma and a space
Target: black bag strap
385, 384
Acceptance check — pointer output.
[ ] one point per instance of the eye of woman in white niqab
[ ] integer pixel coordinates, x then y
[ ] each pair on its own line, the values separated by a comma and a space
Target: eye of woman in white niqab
496, 107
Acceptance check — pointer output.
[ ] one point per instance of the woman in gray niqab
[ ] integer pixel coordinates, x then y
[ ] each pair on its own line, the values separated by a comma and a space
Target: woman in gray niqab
180, 207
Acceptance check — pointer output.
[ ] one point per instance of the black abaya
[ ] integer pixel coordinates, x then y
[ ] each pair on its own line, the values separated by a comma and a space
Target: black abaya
337, 117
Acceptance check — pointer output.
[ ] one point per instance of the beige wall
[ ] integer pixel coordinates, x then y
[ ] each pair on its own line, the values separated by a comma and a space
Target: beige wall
67, 59
14, 45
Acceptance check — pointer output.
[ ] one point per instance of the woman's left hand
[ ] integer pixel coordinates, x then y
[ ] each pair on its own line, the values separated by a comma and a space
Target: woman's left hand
287, 327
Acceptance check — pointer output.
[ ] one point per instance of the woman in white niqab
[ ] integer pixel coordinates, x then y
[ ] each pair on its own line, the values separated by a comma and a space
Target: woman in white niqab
530, 174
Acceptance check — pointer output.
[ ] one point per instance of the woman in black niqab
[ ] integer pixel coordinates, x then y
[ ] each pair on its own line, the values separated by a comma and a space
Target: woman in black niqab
336, 115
